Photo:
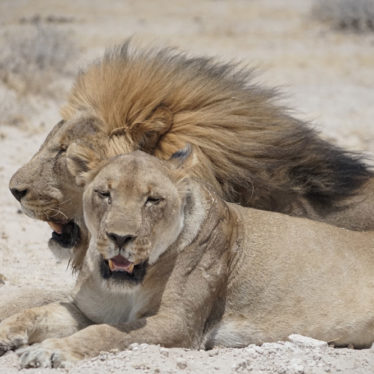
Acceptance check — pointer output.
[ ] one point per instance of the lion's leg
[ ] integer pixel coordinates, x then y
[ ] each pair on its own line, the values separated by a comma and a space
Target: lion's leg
36, 324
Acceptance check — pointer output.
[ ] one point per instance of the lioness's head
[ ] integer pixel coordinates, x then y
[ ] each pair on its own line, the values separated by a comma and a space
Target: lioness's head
134, 210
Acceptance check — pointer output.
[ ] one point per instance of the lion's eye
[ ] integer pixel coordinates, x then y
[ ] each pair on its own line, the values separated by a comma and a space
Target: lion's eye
151, 200
103, 194
61, 150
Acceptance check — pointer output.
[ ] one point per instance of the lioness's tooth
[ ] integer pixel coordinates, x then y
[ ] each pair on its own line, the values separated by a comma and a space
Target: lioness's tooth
111, 266
130, 269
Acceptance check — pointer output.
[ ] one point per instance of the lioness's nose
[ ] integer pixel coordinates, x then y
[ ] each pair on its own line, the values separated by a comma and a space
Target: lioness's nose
120, 240
18, 193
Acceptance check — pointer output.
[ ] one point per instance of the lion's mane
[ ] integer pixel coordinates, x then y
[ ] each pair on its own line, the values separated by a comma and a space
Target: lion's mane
249, 147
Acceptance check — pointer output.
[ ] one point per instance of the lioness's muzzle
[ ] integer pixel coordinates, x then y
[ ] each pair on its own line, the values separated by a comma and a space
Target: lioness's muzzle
120, 269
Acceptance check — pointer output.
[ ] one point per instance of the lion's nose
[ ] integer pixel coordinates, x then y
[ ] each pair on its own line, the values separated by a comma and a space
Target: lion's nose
120, 240
18, 193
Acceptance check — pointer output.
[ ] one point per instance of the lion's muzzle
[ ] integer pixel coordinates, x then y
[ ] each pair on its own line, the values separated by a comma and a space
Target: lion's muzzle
66, 235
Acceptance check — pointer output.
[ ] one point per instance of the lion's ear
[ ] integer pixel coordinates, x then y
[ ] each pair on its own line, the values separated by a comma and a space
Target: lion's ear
80, 162
184, 158
148, 132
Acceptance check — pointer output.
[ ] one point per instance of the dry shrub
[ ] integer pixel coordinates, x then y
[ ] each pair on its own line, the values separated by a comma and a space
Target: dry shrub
37, 18
33, 57
351, 15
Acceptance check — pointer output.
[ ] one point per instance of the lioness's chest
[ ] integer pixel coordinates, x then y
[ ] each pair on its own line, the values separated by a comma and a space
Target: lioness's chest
103, 306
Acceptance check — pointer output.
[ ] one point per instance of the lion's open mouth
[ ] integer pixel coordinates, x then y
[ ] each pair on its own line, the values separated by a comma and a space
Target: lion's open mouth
65, 235
119, 268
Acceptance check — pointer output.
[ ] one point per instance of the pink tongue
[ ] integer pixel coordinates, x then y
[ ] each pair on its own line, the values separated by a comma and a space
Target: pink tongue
119, 263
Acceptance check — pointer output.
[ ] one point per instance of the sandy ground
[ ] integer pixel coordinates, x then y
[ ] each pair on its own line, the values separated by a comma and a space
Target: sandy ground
327, 77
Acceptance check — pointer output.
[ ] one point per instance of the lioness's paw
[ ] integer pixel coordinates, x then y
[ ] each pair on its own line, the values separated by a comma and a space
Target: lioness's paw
47, 354
10, 344
11, 337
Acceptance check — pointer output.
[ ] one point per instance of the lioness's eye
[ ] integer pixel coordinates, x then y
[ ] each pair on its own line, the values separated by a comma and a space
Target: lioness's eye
103, 194
153, 200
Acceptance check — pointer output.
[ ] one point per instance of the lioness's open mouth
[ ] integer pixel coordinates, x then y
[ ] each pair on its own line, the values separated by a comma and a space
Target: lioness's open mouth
119, 268
66, 235
119, 263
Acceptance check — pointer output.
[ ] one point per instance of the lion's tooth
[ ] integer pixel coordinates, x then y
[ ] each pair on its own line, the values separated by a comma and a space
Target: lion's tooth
56, 227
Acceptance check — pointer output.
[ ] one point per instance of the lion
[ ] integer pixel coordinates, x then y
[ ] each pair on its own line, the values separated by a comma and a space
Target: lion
171, 263
250, 149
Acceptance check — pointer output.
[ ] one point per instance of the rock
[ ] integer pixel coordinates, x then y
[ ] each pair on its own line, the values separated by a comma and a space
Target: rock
181, 363
305, 341
2, 279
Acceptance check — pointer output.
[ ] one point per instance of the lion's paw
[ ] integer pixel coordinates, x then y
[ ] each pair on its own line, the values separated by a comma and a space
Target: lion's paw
47, 354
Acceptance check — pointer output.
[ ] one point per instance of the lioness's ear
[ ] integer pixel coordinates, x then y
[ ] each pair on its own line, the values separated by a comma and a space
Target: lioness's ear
184, 158
80, 162
147, 133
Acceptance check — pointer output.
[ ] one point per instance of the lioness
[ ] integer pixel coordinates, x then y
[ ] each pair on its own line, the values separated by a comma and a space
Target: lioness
170, 263
250, 150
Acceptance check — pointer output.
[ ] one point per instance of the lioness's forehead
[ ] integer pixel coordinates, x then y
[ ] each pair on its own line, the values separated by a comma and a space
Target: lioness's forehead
133, 170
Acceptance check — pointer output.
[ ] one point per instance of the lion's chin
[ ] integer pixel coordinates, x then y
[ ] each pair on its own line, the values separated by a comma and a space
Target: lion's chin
64, 238
122, 271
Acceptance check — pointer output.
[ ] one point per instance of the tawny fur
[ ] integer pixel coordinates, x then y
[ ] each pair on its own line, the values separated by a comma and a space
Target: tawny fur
230, 277
250, 150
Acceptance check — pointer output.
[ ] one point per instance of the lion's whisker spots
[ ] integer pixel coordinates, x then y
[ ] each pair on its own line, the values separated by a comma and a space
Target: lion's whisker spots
38, 205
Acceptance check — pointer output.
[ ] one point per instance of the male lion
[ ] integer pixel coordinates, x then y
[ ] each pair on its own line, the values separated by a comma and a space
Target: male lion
170, 263
250, 150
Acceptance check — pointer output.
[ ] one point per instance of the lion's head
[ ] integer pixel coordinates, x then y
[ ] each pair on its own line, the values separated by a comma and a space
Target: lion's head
47, 190
134, 210
248, 149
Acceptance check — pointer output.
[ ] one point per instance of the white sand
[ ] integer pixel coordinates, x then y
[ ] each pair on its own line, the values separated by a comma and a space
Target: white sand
328, 78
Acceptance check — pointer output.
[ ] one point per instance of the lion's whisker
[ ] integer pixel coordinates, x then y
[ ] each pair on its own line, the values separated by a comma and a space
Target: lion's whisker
58, 212
64, 202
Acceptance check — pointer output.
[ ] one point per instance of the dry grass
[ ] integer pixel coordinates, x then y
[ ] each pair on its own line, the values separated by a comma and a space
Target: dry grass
350, 15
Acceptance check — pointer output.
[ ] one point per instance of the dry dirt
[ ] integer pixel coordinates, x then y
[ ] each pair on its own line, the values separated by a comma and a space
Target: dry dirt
327, 78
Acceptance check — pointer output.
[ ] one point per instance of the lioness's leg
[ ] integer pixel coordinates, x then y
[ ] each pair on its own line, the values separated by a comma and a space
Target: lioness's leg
15, 300
236, 331
36, 324
168, 331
